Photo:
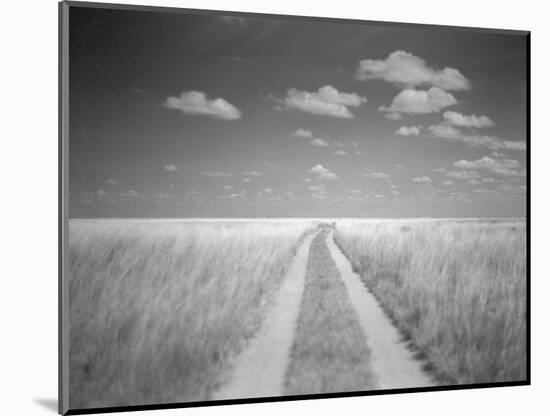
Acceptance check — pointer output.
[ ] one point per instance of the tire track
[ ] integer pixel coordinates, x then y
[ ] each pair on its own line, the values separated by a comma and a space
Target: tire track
393, 363
259, 371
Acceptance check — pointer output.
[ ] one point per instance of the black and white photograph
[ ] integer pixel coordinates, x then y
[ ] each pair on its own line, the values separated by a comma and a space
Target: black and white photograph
261, 207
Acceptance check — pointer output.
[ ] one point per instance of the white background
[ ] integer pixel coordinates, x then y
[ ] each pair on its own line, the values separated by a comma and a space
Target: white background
28, 68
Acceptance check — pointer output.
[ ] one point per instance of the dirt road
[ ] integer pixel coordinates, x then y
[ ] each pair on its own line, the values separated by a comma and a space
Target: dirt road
392, 361
260, 371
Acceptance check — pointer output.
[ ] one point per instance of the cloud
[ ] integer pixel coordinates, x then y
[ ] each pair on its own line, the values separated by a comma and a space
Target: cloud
391, 116
377, 175
246, 180
308, 180
405, 69
445, 131
309, 135
111, 182
341, 152
171, 168
322, 172
131, 193
235, 195
493, 143
319, 142
513, 145
317, 187
486, 163
503, 167
101, 192
252, 173
228, 188
326, 101
216, 174
457, 119
422, 179
448, 132
408, 131
463, 174
197, 103
420, 101
447, 183
303, 133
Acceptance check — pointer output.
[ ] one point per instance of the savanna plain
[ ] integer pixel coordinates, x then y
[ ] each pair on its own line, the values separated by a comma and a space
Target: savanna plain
160, 310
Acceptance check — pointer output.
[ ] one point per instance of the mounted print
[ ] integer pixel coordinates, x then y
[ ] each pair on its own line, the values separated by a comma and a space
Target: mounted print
262, 207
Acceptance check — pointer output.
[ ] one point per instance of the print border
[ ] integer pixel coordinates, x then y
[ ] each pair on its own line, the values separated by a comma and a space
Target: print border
63, 215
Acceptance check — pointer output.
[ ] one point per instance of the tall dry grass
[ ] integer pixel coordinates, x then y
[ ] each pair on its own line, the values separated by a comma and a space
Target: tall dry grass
457, 288
157, 309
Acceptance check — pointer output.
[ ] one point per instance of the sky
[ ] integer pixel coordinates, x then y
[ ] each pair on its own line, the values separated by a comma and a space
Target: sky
189, 115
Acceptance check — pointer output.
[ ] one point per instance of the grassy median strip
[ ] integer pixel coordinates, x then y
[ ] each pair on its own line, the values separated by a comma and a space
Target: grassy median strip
330, 353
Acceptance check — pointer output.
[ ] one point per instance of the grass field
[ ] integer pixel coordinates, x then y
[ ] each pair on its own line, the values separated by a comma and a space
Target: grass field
158, 308
456, 288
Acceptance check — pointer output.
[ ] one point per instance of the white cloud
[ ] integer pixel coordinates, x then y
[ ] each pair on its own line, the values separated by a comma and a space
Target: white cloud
319, 142
445, 131
317, 187
131, 193
308, 180
341, 152
486, 163
457, 119
252, 173
216, 174
197, 103
268, 194
447, 183
377, 175
111, 181
327, 101
171, 168
246, 180
422, 179
101, 192
405, 69
448, 132
323, 173
463, 174
408, 131
235, 195
513, 145
392, 116
420, 101
494, 143
303, 133
228, 188
503, 167
309, 135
